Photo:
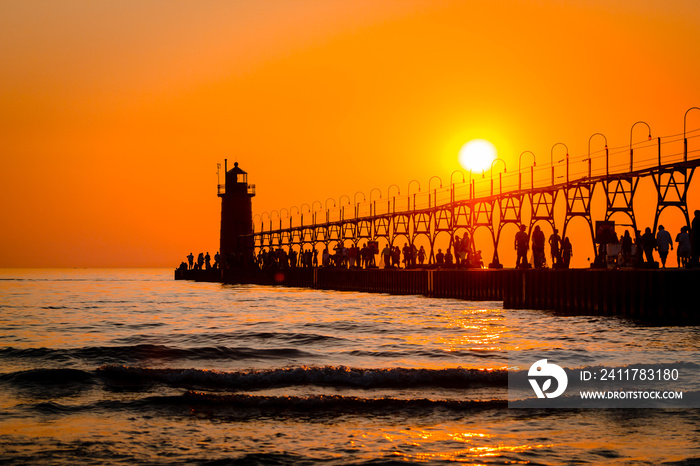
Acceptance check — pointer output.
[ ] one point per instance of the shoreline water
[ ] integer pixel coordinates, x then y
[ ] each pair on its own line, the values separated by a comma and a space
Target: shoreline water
126, 367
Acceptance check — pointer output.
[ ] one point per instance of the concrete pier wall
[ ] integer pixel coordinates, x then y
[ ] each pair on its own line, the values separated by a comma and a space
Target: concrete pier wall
663, 296
659, 295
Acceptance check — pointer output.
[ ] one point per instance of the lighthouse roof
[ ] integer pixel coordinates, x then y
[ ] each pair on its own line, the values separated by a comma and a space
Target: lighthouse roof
236, 169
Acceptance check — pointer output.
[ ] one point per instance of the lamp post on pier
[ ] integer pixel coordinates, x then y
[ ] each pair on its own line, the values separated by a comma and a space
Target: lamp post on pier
431, 179
340, 201
532, 170
388, 195
315, 210
500, 180
288, 216
373, 206
301, 210
262, 219
631, 150
551, 161
414, 195
452, 195
685, 139
409, 186
607, 170
291, 213
357, 206
327, 212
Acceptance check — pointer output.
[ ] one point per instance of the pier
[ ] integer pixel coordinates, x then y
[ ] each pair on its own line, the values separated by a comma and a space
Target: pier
268, 252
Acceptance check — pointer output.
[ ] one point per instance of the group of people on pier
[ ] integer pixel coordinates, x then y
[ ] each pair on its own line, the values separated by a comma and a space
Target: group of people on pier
560, 250
203, 262
640, 250
364, 257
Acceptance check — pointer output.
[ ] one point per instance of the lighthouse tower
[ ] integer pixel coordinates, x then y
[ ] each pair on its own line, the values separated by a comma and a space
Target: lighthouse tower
236, 236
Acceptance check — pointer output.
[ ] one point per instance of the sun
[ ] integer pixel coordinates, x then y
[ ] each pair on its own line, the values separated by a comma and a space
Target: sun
477, 155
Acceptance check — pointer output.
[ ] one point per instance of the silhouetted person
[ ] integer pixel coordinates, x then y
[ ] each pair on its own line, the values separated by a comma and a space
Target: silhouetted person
386, 256
639, 253
190, 260
626, 248
406, 255
522, 247
200, 261
355, 259
207, 261
663, 243
396, 257
538, 247
477, 259
695, 240
363, 255
448, 258
439, 257
554, 241
465, 248
648, 244
683, 250
372, 249
217, 260
566, 252
421, 255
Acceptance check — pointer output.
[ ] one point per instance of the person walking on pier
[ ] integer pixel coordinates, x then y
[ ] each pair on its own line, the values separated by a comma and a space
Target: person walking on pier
663, 243
566, 252
207, 261
421, 255
683, 250
465, 249
521, 246
626, 248
648, 244
554, 242
457, 246
538, 247
190, 261
406, 255
386, 256
396, 257
439, 258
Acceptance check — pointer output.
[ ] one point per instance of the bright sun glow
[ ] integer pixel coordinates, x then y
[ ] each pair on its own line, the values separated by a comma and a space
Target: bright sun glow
477, 155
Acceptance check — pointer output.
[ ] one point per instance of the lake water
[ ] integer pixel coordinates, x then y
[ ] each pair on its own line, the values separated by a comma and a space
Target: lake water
132, 367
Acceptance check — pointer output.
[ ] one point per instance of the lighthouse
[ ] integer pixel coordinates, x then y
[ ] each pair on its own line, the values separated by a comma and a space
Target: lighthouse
236, 236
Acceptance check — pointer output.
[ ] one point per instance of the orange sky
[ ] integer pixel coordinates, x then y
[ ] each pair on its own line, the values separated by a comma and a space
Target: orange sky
115, 114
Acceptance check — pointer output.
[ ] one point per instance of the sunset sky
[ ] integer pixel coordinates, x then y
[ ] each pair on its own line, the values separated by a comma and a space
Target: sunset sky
115, 114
